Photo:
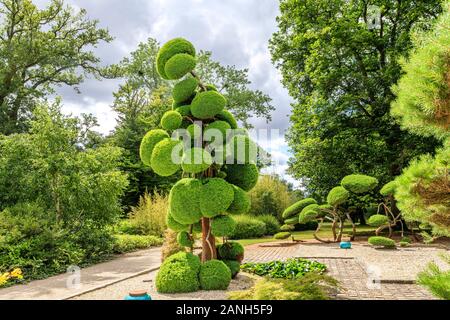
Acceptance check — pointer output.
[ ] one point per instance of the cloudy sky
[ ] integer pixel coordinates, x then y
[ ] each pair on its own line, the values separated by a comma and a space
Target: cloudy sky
236, 31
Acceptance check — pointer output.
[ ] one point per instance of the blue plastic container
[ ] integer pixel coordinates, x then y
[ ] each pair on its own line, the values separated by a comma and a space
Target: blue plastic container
138, 295
345, 245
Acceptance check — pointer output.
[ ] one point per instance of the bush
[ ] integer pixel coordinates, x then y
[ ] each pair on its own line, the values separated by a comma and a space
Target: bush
378, 220
337, 196
126, 243
436, 280
282, 235
214, 275
179, 273
196, 160
292, 221
309, 213
161, 160
241, 202
230, 251
381, 242
297, 207
171, 120
184, 201
216, 195
207, 104
170, 245
359, 183
272, 224
245, 176
389, 188
312, 286
179, 65
168, 50
291, 268
149, 142
184, 239
222, 226
234, 267
248, 227
287, 227
149, 216
226, 115
184, 90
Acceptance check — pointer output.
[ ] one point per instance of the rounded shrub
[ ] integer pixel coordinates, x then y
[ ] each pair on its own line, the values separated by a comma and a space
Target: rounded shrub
184, 201
244, 176
389, 188
234, 267
168, 50
227, 116
337, 196
378, 220
242, 149
216, 195
179, 273
381, 242
230, 251
222, 226
179, 65
221, 126
196, 160
287, 227
309, 213
184, 110
248, 227
184, 239
161, 161
241, 202
214, 275
207, 104
171, 120
359, 183
194, 130
272, 224
291, 221
149, 142
297, 207
184, 90
174, 225
282, 235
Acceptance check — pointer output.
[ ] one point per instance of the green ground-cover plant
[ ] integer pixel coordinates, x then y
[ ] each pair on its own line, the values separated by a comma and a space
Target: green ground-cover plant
126, 242
291, 268
436, 280
384, 242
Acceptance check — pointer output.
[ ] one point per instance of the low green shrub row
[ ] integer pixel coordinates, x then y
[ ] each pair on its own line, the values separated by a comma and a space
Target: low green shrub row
381, 242
126, 243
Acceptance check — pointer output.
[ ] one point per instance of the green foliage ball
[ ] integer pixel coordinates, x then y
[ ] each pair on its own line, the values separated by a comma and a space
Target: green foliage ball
168, 50
194, 130
184, 239
215, 197
381, 242
184, 201
149, 142
244, 176
287, 227
248, 227
221, 126
174, 225
227, 116
359, 183
184, 90
291, 221
282, 235
378, 220
161, 160
179, 65
230, 251
207, 104
196, 160
389, 188
184, 110
309, 213
179, 273
242, 149
297, 207
214, 275
337, 196
222, 226
234, 267
241, 202
171, 120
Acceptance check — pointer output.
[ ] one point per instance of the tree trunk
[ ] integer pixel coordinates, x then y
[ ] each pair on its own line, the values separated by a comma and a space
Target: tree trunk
208, 241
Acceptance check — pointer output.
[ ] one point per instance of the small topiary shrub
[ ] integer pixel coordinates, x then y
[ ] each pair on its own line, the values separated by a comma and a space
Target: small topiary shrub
272, 224
297, 207
168, 50
378, 220
337, 196
389, 188
184, 239
196, 160
230, 251
179, 273
184, 90
194, 131
207, 104
287, 227
221, 126
149, 142
244, 176
226, 115
179, 65
184, 201
161, 160
382, 242
241, 202
184, 110
282, 235
404, 244
171, 120
234, 267
248, 227
215, 197
214, 275
291, 221
359, 183
222, 226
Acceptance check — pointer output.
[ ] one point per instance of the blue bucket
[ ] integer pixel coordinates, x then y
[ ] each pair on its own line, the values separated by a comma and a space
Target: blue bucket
138, 295
345, 245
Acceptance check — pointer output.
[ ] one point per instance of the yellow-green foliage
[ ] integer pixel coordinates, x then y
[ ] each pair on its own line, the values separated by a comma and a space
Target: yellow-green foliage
241, 202
207, 104
179, 65
381, 242
389, 188
222, 226
179, 273
216, 195
127, 242
171, 120
297, 207
162, 161
436, 280
244, 176
170, 245
378, 220
214, 275
196, 160
337, 196
168, 50
359, 183
184, 90
149, 142
423, 93
184, 201
149, 216
282, 235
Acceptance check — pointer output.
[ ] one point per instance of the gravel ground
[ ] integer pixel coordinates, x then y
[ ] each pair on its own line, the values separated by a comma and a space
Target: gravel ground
119, 290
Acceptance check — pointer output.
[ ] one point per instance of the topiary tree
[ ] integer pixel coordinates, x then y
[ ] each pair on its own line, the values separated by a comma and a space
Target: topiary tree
218, 164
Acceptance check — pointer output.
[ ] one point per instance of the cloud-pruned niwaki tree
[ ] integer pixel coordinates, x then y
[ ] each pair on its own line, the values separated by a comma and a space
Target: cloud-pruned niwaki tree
423, 106
218, 167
